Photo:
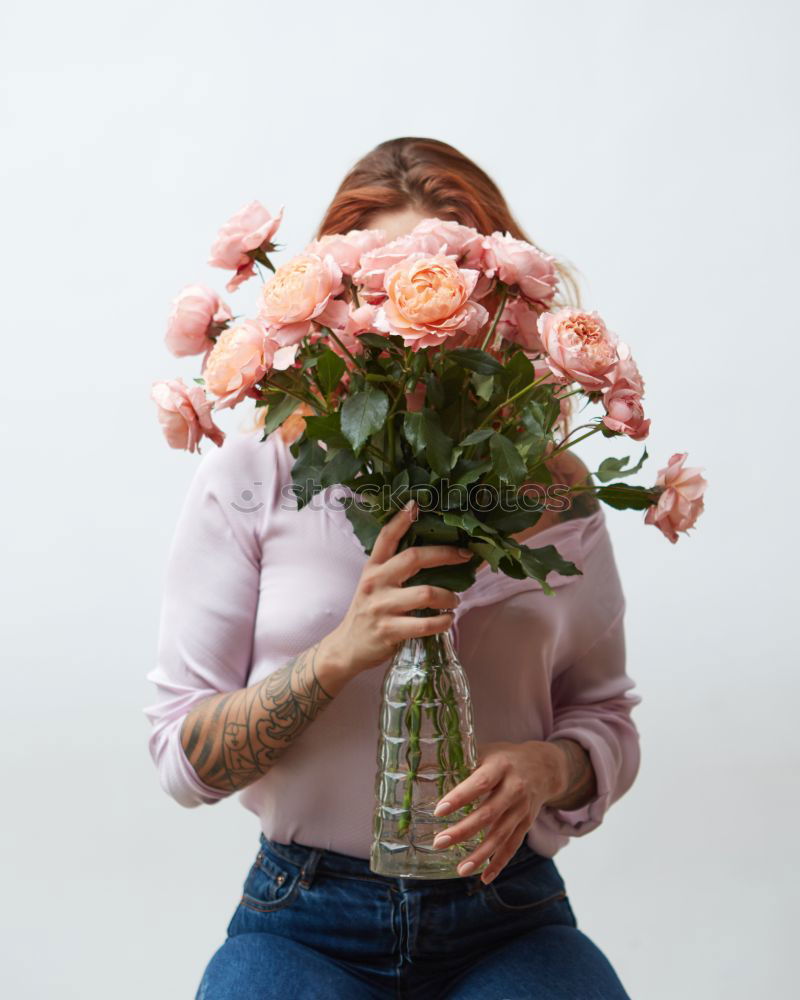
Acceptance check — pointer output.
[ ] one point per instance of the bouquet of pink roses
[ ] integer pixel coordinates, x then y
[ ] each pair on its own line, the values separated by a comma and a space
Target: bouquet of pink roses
436, 366
433, 366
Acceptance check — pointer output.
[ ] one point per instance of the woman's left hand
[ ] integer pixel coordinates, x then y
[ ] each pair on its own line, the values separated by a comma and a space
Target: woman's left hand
517, 780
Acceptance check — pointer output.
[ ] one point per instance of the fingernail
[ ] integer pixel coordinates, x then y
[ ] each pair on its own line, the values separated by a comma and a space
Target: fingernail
487, 877
466, 867
443, 807
465, 553
442, 840
410, 505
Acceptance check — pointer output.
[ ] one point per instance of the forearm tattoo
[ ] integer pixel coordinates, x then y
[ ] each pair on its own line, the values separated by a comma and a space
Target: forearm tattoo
582, 783
232, 739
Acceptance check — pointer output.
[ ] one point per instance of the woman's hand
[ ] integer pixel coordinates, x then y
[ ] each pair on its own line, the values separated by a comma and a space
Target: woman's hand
517, 780
378, 617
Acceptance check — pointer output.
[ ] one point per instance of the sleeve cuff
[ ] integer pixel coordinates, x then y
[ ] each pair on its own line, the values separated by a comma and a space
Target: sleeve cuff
576, 822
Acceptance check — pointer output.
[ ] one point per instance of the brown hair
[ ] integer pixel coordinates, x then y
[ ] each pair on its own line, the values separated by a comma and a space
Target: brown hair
437, 180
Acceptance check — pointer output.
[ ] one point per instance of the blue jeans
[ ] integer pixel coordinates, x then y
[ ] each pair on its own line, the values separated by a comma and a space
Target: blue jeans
318, 925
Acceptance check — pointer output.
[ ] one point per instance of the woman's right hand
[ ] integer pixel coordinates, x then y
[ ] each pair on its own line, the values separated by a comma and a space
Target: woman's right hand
378, 617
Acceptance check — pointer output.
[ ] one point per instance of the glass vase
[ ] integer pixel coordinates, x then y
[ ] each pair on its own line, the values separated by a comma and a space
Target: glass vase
426, 746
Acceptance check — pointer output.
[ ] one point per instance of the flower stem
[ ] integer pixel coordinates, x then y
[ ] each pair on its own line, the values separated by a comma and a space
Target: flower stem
496, 320
339, 342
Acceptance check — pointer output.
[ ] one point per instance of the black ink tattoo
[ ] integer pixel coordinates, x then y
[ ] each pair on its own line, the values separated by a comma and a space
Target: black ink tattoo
232, 739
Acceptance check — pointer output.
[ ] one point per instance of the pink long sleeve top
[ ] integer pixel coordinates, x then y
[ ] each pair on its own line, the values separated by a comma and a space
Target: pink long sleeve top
251, 582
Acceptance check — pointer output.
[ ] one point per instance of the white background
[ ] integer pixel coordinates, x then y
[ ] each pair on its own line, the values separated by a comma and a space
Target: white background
656, 147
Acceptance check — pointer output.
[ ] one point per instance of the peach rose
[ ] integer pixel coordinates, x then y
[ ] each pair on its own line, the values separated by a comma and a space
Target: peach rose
623, 400
428, 301
517, 324
578, 347
348, 249
251, 229
370, 276
298, 293
681, 499
521, 265
185, 414
294, 425
461, 242
197, 312
238, 360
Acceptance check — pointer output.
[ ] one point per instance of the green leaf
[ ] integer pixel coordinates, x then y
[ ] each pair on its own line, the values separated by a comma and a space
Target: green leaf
471, 472
307, 470
489, 551
434, 391
622, 496
455, 578
518, 373
365, 525
279, 409
468, 522
377, 341
363, 414
330, 368
547, 559
431, 529
509, 522
412, 428
612, 467
477, 436
438, 446
199, 381
506, 460
475, 360
326, 428
483, 385
340, 468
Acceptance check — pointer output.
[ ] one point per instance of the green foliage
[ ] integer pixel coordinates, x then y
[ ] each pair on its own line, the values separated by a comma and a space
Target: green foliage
612, 467
363, 414
483, 430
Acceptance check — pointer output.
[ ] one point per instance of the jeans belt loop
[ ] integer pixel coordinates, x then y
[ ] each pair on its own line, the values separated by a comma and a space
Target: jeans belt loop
309, 869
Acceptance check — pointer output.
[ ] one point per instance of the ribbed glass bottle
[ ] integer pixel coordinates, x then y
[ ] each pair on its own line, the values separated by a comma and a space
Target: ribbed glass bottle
426, 746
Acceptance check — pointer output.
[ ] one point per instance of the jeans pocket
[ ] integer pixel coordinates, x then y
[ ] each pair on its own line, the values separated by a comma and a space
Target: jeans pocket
526, 888
271, 884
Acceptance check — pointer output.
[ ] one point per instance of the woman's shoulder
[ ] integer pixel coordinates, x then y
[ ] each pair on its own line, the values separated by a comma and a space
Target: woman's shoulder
244, 452
566, 469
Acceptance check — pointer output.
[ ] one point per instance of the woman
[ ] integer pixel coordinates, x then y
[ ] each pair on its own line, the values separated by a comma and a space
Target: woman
276, 629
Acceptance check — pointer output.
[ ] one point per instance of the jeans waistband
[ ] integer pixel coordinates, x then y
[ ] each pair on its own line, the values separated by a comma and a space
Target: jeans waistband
311, 860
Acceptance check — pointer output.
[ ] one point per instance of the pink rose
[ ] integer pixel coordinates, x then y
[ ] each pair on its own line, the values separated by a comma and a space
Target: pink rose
461, 242
578, 347
623, 400
299, 292
625, 414
518, 324
521, 265
415, 400
184, 414
347, 250
681, 500
197, 312
250, 230
428, 301
237, 361
375, 263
